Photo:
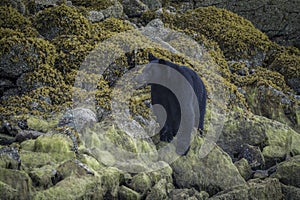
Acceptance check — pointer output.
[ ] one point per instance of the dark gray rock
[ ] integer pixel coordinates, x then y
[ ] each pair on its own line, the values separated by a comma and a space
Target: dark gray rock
134, 8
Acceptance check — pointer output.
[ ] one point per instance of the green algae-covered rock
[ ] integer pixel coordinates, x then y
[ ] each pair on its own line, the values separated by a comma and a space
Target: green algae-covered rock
61, 20
290, 192
191, 194
240, 131
244, 168
288, 172
159, 190
282, 142
73, 167
20, 55
43, 177
9, 158
141, 183
18, 180
39, 124
48, 149
55, 143
110, 179
86, 187
213, 173
8, 192
255, 189
128, 194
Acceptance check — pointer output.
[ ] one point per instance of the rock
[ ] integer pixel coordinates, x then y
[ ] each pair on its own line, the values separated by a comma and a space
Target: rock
22, 55
17, 4
282, 142
62, 20
7, 192
134, 8
72, 167
128, 194
5, 84
239, 132
244, 168
9, 158
26, 135
256, 189
288, 172
110, 179
36, 6
253, 155
276, 19
290, 192
213, 173
95, 16
78, 118
159, 191
47, 149
191, 194
73, 187
141, 183
153, 4
44, 177
116, 10
18, 180
261, 174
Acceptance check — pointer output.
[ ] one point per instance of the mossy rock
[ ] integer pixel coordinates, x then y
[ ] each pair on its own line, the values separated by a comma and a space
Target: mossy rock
256, 188
159, 190
42, 125
18, 180
287, 63
42, 102
236, 36
141, 183
194, 170
56, 143
8, 192
87, 187
16, 4
128, 194
110, 179
43, 76
43, 177
20, 55
61, 20
282, 142
287, 171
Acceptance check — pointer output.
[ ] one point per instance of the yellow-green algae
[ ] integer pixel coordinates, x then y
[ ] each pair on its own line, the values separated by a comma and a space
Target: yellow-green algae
18, 180
29, 52
236, 36
61, 20
11, 18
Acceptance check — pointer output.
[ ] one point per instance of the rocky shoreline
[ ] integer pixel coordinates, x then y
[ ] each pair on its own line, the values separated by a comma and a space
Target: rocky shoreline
67, 66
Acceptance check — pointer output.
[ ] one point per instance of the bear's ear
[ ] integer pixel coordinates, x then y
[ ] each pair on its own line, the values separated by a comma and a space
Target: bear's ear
151, 57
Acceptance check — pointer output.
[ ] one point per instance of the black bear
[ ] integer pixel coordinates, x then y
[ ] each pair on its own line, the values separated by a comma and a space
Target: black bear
182, 94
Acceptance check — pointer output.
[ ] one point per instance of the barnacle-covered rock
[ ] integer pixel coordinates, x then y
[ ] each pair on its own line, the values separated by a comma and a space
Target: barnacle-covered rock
61, 20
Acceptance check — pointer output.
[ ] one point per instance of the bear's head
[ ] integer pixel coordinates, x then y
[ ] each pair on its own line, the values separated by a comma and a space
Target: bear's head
153, 71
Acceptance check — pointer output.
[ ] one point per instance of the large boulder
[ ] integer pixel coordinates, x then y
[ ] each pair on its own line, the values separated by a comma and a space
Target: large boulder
213, 173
